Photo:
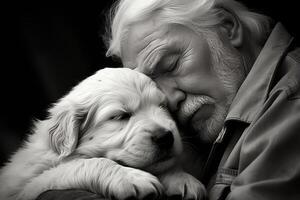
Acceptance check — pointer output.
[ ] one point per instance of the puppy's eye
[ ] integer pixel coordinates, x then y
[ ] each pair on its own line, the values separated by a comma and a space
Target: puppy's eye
121, 116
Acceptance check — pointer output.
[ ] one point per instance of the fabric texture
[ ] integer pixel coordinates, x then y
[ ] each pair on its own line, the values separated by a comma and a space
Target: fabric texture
264, 162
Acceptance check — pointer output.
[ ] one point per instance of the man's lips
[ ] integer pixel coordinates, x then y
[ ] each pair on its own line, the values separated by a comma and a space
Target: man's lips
195, 107
202, 113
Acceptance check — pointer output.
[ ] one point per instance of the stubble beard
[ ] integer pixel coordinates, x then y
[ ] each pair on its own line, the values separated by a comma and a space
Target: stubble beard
228, 66
209, 129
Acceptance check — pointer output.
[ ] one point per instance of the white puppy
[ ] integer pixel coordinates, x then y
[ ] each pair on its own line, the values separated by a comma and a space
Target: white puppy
103, 137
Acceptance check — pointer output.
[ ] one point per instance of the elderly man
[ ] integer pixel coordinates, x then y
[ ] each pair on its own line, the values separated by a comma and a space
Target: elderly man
229, 74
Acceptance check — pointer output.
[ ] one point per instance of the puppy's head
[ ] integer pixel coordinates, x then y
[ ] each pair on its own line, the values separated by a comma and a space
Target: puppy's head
119, 114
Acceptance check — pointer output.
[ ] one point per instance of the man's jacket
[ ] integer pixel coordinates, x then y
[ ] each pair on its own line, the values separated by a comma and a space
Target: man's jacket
261, 138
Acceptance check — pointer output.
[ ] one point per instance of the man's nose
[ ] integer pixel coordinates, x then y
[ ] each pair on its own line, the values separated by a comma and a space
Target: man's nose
174, 99
174, 95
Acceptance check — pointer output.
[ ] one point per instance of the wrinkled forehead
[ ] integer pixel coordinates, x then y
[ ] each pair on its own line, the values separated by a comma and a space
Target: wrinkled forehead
139, 36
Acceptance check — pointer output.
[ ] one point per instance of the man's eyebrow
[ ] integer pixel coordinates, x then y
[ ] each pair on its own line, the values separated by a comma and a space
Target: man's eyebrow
150, 51
158, 33
148, 39
149, 63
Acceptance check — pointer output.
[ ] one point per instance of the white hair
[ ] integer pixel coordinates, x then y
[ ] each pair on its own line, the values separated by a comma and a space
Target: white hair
197, 15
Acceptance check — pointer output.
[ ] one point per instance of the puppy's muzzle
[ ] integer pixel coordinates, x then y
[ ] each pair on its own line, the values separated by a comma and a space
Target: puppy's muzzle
163, 138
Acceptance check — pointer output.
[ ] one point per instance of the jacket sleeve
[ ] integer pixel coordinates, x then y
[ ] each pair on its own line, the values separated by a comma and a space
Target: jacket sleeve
269, 166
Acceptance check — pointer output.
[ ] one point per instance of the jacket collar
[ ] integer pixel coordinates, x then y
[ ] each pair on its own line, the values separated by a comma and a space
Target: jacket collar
254, 90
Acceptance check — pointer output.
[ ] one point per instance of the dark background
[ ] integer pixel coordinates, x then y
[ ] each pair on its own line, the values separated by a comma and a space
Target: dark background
49, 48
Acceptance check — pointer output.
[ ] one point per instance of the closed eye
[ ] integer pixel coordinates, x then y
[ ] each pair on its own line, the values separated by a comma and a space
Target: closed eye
174, 65
170, 63
121, 116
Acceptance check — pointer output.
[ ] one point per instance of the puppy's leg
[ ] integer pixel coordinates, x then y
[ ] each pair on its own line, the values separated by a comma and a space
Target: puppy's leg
179, 183
99, 175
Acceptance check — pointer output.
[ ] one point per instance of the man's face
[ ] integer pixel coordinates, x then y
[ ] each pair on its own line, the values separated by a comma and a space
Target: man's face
199, 75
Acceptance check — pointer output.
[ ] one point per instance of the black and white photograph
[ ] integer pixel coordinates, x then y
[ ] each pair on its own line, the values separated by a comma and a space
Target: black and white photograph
150, 100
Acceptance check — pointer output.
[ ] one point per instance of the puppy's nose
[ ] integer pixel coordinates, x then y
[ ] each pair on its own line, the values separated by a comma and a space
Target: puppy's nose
163, 138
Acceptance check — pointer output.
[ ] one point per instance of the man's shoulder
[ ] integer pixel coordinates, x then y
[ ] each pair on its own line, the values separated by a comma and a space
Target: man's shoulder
295, 55
288, 74
293, 58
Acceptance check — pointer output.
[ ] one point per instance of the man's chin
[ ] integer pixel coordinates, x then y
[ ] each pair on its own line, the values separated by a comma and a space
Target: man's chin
207, 131
209, 128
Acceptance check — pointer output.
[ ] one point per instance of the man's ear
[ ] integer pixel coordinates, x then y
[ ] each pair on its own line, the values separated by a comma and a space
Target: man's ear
63, 128
231, 27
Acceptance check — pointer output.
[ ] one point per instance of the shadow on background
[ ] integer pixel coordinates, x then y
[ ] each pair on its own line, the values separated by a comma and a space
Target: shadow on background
49, 48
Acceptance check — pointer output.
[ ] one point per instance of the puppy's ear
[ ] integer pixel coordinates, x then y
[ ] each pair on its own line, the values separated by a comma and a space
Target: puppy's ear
64, 127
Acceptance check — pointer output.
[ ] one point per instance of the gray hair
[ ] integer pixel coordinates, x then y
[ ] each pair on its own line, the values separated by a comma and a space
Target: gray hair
197, 15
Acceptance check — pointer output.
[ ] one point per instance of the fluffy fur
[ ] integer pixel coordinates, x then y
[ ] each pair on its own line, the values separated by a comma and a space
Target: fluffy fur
110, 135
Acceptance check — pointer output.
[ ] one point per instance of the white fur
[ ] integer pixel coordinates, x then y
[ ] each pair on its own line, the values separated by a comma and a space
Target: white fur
105, 121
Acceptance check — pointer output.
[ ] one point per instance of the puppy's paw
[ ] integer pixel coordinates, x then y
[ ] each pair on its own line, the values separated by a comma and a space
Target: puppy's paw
134, 184
182, 185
